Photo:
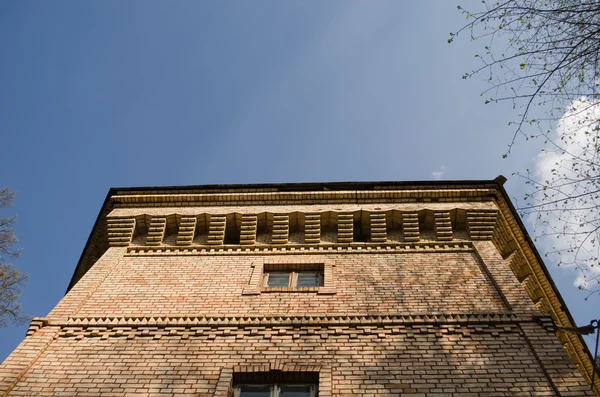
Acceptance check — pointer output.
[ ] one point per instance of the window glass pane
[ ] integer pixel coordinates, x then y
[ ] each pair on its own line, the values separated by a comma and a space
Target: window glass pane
295, 391
308, 279
279, 279
255, 391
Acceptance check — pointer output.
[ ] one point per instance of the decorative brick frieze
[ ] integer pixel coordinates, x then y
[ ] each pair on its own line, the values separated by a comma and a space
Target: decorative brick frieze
156, 230
312, 228
345, 227
481, 224
281, 228
120, 231
248, 229
443, 226
378, 227
216, 230
187, 230
341, 227
339, 330
410, 226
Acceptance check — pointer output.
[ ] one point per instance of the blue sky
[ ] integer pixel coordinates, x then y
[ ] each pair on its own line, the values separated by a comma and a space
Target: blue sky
101, 94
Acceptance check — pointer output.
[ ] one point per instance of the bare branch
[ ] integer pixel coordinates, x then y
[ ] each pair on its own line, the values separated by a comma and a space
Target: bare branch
11, 279
547, 67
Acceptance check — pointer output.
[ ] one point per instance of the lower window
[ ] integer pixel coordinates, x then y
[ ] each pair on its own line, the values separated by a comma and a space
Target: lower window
276, 384
275, 390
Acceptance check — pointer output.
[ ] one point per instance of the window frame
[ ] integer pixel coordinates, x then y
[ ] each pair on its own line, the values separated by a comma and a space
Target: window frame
292, 279
258, 269
275, 388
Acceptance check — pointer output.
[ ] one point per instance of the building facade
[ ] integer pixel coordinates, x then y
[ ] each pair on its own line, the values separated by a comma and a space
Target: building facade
296, 290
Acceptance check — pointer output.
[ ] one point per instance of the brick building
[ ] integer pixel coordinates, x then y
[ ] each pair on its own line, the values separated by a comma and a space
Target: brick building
293, 290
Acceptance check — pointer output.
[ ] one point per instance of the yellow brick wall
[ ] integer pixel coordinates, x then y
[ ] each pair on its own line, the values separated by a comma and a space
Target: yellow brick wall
435, 312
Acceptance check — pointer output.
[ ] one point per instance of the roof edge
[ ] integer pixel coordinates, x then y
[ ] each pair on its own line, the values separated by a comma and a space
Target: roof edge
549, 279
314, 186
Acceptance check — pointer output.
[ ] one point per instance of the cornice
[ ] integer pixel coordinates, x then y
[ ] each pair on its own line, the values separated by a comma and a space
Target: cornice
283, 198
531, 270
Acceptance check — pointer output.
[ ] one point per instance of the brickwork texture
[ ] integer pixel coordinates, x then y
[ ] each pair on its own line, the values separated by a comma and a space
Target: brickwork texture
427, 291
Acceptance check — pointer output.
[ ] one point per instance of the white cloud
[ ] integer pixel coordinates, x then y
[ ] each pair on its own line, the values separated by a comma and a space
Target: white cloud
569, 171
437, 175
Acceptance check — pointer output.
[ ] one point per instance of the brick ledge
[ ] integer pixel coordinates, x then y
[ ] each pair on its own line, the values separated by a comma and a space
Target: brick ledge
286, 320
424, 247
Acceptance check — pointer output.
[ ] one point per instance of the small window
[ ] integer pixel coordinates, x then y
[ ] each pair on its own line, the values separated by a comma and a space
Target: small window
308, 279
275, 383
281, 277
278, 279
293, 279
275, 390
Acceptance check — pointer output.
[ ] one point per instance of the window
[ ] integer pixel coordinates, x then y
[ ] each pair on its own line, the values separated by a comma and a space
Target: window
275, 390
293, 279
281, 276
275, 384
